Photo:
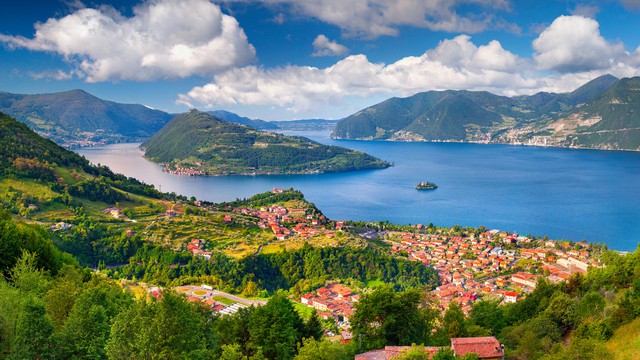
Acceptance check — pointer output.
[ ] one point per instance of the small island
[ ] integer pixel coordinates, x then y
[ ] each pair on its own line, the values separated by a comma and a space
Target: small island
426, 185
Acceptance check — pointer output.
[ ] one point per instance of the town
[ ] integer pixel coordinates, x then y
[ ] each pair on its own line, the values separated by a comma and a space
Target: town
471, 264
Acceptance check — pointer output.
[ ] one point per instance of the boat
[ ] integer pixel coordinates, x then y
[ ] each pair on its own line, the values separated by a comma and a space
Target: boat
426, 185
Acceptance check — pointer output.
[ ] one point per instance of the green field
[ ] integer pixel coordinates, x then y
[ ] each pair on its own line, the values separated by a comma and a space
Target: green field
375, 283
223, 300
625, 343
304, 311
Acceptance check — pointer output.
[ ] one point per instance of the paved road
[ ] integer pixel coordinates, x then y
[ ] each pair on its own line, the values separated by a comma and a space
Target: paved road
238, 299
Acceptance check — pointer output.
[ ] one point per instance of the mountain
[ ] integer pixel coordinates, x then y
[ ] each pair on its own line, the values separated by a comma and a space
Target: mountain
76, 118
33, 165
306, 125
203, 144
602, 113
286, 125
256, 124
608, 121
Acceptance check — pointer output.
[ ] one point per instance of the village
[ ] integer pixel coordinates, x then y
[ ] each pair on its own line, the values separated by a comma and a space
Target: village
495, 264
491, 264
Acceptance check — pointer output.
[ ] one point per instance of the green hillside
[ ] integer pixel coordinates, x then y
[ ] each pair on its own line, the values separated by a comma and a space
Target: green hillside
602, 113
197, 141
77, 118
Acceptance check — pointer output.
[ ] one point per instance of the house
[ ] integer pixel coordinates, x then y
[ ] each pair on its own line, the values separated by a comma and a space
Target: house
510, 296
487, 347
307, 299
391, 352
525, 279
227, 219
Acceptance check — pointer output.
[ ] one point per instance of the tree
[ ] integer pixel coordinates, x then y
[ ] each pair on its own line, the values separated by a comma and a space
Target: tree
62, 295
453, 324
33, 332
168, 329
488, 314
276, 328
313, 327
322, 350
88, 326
561, 310
384, 317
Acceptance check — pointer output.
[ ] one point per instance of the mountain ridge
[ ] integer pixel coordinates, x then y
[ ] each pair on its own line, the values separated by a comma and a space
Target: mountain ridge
575, 119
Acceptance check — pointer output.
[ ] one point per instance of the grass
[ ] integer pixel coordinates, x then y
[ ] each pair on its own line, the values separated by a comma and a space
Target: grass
303, 310
375, 283
199, 292
625, 343
28, 186
224, 300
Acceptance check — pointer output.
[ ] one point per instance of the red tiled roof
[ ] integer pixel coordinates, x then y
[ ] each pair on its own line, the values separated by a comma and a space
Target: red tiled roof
485, 347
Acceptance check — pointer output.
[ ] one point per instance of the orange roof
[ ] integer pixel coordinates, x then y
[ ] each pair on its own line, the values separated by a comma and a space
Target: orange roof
485, 347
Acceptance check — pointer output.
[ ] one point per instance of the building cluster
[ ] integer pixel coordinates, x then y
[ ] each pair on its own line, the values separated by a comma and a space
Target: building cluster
333, 300
300, 223
493, 263
195, 248
180, 170
486, 347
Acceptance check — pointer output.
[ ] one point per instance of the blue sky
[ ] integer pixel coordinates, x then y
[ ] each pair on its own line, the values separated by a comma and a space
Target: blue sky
288, 59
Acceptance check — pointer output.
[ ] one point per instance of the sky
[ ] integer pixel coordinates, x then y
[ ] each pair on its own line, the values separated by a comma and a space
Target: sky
296, 59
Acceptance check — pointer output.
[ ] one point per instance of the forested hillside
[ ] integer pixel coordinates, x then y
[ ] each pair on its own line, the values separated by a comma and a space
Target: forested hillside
600, 114
196, 142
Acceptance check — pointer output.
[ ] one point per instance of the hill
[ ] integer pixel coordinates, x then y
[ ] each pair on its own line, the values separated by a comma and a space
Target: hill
600, 114
200, 143
286, 125
77, 118
306, 124
256, 124
608, 121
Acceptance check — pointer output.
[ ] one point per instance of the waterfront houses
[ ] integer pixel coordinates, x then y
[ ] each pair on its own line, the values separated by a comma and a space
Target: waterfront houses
489, 264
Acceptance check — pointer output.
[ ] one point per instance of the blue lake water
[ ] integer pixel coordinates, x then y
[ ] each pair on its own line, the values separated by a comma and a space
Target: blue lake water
562, 193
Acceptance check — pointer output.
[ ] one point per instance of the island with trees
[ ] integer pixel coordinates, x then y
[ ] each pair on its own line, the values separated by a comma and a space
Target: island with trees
197, 143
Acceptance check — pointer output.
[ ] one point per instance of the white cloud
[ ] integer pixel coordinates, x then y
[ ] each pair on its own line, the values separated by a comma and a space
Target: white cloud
374, 18
571, 47
454, 64
163, 39
574, 44
56, 75
324, 47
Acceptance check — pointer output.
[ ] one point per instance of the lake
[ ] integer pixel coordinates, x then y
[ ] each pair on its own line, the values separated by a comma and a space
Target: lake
563, 193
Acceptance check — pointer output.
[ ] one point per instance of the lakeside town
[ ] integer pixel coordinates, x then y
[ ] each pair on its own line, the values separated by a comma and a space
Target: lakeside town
471, 264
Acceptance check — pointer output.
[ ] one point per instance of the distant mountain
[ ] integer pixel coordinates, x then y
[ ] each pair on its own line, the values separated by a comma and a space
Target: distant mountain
203, 144
306, 125
608, 121
603, 113
286, 125
256, 124
76, 118
27, 155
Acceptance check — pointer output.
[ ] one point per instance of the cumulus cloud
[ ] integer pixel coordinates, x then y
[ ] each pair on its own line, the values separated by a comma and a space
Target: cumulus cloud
574, 44
324, 47
568, 53
453, 64
163, 39
374, 18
